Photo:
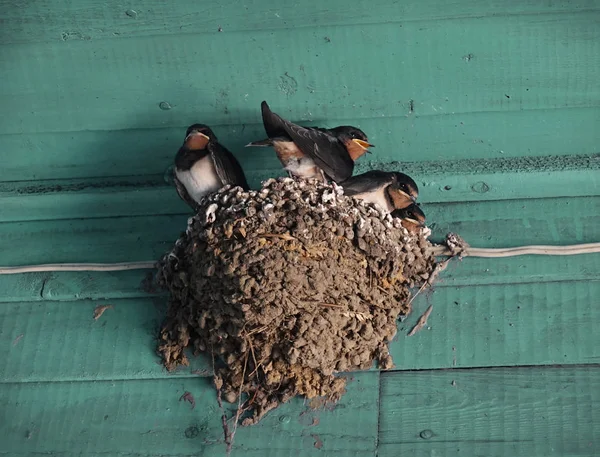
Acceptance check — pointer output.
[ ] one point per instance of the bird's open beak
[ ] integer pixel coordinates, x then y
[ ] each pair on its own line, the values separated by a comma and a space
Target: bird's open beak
196, 140
364, 144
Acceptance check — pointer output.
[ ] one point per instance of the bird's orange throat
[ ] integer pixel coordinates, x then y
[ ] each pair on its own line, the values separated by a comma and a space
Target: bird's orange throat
196, 142
355, 150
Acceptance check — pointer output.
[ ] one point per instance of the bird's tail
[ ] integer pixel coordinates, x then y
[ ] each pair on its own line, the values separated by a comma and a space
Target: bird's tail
262, 143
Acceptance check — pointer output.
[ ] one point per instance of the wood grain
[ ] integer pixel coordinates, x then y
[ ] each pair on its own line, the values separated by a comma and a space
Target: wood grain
528, 411
493, 107
544, 61
93, 20
122, 239
448, 137
446, 181
69, 286
471, 326
141, 417
89, 240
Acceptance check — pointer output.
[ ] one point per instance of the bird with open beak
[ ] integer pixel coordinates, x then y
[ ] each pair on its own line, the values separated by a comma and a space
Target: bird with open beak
390, 190
203, 166
313, 152
412, 218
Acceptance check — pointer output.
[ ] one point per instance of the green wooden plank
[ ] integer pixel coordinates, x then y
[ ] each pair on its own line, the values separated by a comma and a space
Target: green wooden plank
555, 56
532, 412
141, 151
500, 179
89, 240
47, 203
408, 138
147, 418
471, 326
72, 285
75, 285
27, 286
54, 341
516, 270
93, 20
69, 286
441, 181
491, 224
555, 221
62, 341
519, 324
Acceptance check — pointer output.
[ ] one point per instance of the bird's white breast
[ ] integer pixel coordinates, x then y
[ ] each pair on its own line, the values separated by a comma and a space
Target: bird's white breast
201, 179
379, 197
303, 168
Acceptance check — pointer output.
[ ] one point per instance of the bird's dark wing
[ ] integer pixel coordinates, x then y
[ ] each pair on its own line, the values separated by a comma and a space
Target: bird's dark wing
366, 182
274, 126
321, 146
228, 168
183, 194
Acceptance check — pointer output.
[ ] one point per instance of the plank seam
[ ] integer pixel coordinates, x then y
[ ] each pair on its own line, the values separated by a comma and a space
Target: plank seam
549, 366
381, 373
378, 415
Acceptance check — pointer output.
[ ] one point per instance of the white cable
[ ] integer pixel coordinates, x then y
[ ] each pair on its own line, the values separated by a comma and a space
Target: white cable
576, 249
78, 267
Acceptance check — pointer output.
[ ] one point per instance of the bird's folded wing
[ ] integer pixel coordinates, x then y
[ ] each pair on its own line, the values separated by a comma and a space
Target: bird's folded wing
321, 146
183, 193
324, 149
227, 167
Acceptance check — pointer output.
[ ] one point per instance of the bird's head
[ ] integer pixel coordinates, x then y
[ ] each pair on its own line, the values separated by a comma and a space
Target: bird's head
354, 139
412, 217
198, 136
403, 191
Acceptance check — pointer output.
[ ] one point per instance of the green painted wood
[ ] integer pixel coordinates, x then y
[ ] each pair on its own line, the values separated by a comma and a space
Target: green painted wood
492, 108
519, 324
532, 412
142, 151
493, 224
95, 20
441, 181
89, 240
519, 222
490, 224
471, 326
147, 418
22, 287
523, 269
62, 341
74, 285
69, 286
555, 56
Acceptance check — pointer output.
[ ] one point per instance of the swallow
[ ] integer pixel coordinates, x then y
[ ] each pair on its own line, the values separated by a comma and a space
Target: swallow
313, 152
203, 166
412, 217
390, 190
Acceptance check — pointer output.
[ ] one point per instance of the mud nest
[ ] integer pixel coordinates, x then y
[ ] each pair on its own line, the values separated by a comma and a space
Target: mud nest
285, 286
